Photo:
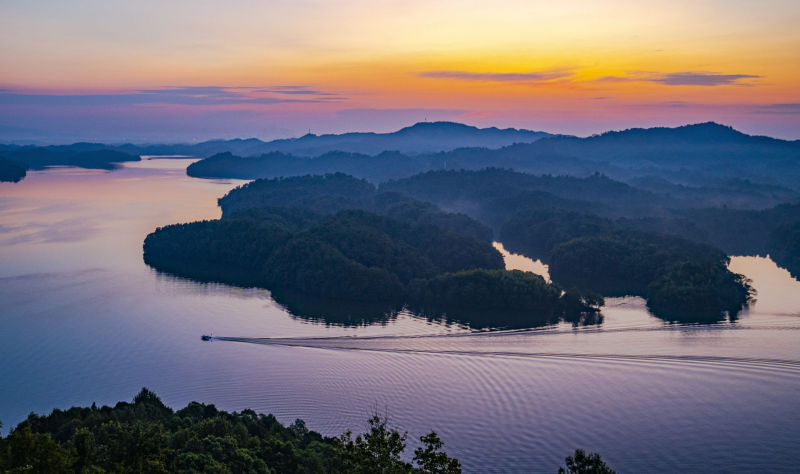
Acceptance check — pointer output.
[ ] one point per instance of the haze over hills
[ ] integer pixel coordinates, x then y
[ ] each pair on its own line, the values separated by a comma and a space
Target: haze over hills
722, 162
423, 137
705, 154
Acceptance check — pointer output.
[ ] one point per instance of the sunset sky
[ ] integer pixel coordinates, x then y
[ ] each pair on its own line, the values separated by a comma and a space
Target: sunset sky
184, 70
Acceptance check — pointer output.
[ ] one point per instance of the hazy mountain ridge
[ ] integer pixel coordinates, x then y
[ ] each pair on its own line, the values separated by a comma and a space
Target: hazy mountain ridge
699, 165
423, 137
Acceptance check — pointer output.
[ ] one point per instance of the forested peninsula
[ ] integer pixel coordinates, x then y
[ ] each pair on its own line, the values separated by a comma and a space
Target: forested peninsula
12, 171
81, 155
339, 237
314, 234
588, 231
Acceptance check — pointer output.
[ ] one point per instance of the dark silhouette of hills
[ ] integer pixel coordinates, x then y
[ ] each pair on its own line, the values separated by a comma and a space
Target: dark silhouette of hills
83, 155
707, 154
12, 171
420, 138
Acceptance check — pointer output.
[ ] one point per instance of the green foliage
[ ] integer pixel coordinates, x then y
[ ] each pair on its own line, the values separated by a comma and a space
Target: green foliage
487, 289
610, 257
582, 463
375, 452
332, 193
352, 255
430, 458
682, 280
326, 194
398, 250
536, 231
380, 449
27, 451
696, 291
148, 437
314, 266
500, 298
492, 195
359, 256
743, 232
784, 247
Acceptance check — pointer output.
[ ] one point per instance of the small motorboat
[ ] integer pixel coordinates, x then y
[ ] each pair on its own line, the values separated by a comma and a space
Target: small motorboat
205, 337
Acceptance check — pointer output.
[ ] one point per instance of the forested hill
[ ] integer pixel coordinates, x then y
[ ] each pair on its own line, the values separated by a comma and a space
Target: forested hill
336, 192
698, 155
416, 253
337, 237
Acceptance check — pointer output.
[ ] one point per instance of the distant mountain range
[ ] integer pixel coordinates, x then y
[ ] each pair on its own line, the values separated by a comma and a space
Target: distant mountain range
696, 155
427, 137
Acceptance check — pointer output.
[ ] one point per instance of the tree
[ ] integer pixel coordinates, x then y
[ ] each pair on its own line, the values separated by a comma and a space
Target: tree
34, 452
374, 452
433, 461
582, 463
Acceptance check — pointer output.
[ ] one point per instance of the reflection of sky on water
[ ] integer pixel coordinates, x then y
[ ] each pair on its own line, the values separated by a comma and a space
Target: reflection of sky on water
84, 319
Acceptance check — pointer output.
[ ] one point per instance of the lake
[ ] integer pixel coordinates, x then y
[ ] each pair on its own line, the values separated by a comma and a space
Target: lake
83, 319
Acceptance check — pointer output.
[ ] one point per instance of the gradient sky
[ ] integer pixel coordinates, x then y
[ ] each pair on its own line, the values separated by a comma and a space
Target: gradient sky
184, 70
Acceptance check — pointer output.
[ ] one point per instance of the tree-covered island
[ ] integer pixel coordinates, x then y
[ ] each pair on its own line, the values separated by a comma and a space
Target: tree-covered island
349, 242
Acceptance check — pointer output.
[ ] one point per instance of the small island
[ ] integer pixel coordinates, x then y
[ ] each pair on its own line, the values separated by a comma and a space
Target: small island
605, 236
682, 280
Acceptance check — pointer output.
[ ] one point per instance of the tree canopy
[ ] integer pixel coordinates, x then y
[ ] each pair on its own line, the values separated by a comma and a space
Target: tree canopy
146, 436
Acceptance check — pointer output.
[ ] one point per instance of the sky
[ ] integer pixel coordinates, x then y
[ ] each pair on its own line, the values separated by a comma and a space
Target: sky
185, 70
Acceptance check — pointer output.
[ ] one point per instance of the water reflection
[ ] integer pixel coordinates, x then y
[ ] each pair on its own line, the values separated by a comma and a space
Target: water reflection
521, 262
476, 319
85, 321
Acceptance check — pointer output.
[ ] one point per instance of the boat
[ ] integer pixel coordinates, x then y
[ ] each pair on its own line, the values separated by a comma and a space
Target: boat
205, 337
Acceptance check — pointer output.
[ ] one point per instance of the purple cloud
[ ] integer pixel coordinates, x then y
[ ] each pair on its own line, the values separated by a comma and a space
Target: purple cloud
685, 78
536, 76
205, 95
789, 109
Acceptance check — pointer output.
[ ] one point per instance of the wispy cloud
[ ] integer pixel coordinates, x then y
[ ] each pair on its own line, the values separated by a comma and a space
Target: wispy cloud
685, 78
518, 77
780, 109
205, 95
295, 90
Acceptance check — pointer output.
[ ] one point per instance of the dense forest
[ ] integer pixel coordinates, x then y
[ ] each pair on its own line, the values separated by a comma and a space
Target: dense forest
336, 192
683, 280
146, 436
353, 254
496, 196
12, 171
542, 217
337, 236
785, 246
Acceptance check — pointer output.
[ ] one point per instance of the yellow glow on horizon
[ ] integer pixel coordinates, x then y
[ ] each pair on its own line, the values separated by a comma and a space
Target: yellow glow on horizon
376, 53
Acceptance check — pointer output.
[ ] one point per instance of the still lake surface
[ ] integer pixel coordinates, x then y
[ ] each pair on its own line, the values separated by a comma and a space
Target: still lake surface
83, 319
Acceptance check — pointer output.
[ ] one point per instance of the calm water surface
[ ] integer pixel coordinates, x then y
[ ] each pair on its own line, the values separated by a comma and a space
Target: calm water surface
83, 320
